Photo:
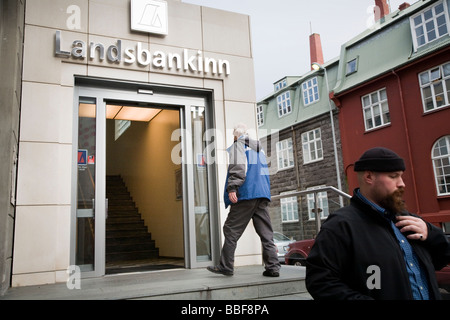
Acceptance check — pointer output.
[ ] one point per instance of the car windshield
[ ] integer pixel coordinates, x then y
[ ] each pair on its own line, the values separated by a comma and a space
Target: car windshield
280, 237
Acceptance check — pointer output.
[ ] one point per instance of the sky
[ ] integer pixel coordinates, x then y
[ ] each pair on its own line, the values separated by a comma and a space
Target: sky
281, 28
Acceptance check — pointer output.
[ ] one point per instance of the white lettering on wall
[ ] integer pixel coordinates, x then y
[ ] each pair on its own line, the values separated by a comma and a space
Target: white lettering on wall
115, 53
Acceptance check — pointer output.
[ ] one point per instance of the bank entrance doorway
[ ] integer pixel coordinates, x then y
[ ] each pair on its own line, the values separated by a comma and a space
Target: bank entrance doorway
143, 190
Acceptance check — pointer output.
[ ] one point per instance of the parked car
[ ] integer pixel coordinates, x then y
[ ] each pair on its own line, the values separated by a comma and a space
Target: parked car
282, 242
298, 252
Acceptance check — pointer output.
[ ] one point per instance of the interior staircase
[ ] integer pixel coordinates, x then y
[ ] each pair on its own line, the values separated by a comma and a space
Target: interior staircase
127, 237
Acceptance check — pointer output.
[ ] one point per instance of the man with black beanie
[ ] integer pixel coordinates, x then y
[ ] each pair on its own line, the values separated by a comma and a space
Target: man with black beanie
374, 248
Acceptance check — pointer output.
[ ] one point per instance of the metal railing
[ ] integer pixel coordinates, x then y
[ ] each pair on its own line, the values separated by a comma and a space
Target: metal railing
315, 191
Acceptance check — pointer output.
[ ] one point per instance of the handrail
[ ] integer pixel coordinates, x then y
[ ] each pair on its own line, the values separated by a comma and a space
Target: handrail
319, 189
316, 203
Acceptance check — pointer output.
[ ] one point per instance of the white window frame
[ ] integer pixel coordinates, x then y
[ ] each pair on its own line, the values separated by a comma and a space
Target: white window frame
284, 104
322, 203
352, 66
432, 80
376, 109
312, 146
260, 115
426, 21
285, 154
289, 209
310, 91
440, 156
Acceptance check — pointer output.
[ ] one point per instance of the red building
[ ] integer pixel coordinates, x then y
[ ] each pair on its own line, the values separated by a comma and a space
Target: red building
393, 90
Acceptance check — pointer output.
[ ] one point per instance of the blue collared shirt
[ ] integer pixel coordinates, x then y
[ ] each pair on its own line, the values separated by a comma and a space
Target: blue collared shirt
417, 276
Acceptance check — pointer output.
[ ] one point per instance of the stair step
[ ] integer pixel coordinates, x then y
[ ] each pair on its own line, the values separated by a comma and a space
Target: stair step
130, 239
131, 247
125, 233
139, 255
126, 226
124, 219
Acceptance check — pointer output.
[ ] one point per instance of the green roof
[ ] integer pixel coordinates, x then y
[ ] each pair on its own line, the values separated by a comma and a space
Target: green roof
386, 46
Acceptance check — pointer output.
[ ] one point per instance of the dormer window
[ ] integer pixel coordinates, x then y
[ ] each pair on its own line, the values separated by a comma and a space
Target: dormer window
284, 104
429, 25
280, 84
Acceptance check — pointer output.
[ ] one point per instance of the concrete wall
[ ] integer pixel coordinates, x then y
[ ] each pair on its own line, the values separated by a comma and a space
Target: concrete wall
11, 35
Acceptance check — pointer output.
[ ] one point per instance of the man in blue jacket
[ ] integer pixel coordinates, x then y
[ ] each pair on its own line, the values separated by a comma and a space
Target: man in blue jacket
247, 191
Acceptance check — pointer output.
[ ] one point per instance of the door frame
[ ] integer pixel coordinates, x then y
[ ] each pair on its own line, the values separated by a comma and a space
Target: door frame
104, 90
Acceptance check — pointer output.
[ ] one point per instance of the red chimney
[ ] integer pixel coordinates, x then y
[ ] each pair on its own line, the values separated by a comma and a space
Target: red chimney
403, 6
315, 49
381, 9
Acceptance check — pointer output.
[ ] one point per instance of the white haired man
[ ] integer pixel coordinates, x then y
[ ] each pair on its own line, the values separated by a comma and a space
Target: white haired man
247, 192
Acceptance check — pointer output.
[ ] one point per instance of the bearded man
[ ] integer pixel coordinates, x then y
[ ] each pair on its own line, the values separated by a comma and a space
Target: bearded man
374, 248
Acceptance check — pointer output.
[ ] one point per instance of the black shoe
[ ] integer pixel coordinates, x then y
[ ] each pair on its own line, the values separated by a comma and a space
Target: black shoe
216, 269
269, 273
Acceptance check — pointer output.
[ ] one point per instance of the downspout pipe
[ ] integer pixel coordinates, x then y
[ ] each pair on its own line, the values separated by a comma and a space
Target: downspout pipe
408, 141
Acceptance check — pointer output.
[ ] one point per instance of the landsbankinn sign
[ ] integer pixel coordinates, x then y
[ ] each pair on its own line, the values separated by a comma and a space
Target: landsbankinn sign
115, 53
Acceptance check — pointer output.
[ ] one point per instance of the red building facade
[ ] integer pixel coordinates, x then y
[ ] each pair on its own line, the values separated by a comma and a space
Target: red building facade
403, 105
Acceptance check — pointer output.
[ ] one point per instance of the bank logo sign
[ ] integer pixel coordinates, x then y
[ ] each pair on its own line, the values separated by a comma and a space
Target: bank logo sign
149, 16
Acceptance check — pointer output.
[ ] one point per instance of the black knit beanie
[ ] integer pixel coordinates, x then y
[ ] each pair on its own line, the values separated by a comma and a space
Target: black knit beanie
380, 160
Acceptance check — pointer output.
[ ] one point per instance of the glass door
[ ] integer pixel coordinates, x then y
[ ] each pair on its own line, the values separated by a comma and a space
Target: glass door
85, 204
88, 243
199, 171
199, 196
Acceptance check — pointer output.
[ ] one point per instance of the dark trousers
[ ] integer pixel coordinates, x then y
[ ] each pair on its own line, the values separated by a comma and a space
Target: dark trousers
237, 220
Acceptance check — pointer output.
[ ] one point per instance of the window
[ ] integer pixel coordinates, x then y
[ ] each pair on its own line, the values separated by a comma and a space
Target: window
429, 25
310, 91
280, 84
285, 154
289, 209
435, 87
441, 162
284, 104
260, 115
376, 109
120, 127
322, 204
352, 66
312, 146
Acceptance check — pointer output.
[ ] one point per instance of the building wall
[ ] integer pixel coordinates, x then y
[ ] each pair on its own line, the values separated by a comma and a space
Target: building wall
42, 231
411, 134
11, 35
303, 176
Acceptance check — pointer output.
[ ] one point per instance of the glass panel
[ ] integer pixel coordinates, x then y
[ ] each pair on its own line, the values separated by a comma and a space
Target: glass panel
85, 244
201, 192
418, 20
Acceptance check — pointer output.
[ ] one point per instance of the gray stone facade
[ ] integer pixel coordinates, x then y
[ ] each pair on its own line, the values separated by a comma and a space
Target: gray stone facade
303, 176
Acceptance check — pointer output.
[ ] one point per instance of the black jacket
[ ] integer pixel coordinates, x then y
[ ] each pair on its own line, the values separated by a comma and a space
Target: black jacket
356, 237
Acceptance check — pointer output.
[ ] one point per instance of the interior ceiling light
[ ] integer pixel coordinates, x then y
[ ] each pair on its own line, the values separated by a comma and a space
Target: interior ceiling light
132, 113
87, 110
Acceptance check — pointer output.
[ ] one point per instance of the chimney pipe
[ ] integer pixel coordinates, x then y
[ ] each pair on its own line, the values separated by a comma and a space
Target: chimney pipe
403, 6
315, 49
381, 9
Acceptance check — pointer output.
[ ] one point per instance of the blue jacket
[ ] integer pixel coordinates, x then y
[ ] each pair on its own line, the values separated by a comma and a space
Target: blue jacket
248, 174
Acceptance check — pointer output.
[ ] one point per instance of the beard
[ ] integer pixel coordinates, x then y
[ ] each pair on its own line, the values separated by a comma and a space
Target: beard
394, 202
